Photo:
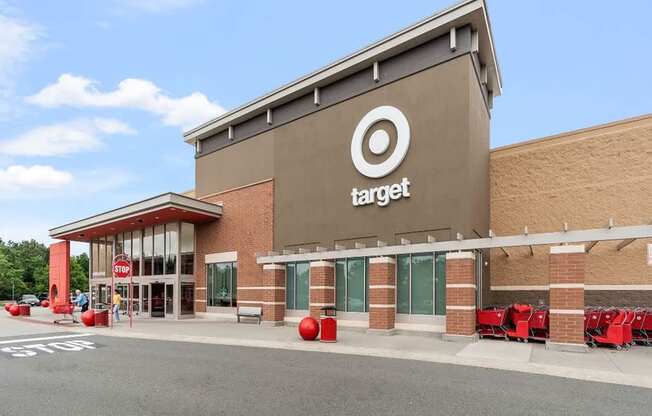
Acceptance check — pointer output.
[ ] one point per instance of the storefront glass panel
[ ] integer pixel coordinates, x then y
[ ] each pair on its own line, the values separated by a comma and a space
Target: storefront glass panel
109, 256
422, 284
340, 285
302, 285
290, 278
440, 284
145, 298
403, 284
187, 248
171, 248
355, 285
187, 298
136, 252
159, 249
148, 246
169, 299
222, 284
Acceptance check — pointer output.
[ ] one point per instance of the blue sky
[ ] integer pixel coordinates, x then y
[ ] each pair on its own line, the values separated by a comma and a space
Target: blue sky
94, 95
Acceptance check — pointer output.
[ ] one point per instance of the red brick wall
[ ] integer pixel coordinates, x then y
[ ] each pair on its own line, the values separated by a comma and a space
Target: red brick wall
460, 294
274, 293
246, 226
322, 286
566, 274
382, 297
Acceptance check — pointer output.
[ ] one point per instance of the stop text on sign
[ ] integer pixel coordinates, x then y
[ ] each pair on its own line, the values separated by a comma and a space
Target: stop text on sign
121, 268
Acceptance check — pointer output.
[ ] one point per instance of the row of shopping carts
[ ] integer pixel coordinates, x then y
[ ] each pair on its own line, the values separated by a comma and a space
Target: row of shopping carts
617, 327
603, 326
518, 321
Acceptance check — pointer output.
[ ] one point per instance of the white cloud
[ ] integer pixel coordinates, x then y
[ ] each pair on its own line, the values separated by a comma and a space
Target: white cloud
77, 91
157, 6
16, 43
19, 178
63, 138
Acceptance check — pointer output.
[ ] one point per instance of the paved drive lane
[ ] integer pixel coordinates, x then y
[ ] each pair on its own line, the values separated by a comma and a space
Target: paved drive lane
135, 377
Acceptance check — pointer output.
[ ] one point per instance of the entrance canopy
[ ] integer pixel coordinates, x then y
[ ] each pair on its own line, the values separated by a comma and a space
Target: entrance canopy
160, 209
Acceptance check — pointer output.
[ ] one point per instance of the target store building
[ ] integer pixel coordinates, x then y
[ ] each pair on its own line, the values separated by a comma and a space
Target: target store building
370, 185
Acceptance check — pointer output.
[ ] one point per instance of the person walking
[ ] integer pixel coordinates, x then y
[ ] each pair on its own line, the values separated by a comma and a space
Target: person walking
117, 299
81, 300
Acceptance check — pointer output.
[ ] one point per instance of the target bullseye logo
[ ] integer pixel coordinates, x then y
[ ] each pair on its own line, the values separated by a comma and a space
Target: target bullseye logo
379, 141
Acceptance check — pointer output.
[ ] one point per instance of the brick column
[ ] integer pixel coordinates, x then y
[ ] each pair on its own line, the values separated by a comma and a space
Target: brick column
274, 294
566, 278
460, 297
322, 286
382, 294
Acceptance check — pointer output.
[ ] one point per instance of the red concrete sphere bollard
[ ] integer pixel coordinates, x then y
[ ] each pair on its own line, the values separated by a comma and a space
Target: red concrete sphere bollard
14, 310
88, 318
309, 328
45, 303
7, 306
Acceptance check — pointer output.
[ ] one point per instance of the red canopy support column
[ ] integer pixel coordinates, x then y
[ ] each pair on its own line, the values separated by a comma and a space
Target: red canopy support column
566, 274
460, 297
322, 286
274, 294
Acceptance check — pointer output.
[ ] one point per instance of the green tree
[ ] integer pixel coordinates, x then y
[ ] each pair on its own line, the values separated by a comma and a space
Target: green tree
79, 272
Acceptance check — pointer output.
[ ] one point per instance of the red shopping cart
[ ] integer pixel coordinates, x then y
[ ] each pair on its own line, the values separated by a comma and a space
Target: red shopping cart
492, 322
642, 326
65, 310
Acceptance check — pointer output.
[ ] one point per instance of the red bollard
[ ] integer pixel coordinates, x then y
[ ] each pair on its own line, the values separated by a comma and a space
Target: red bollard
309, 328
14, 310
7, 306
88, 318
45, 303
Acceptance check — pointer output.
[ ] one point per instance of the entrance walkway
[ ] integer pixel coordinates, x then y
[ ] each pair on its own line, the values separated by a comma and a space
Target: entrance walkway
601, 365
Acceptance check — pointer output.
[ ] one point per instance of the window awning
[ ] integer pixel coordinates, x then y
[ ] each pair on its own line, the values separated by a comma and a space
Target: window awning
160, 209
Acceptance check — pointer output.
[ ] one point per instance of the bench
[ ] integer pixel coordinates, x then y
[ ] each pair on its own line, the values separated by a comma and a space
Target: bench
250, 312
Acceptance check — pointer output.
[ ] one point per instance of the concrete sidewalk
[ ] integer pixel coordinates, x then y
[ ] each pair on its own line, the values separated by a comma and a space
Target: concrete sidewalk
601, 365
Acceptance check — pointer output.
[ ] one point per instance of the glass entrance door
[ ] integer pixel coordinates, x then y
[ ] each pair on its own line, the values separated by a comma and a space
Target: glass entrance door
158, 300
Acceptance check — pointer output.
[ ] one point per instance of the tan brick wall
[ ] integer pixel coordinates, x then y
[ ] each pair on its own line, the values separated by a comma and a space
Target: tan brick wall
382, 317
246, 226
582, 178
567, 329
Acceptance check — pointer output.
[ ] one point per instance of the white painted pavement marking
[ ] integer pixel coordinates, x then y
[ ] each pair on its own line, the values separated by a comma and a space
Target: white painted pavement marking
31, 350
17, 341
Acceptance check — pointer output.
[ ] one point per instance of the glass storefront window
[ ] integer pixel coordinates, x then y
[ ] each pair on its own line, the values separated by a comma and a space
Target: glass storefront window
297, 285
403, 284
145, 298
421, 284
159, 249
126, 244
290, 277
440, 284
148, 245
422, 301
136, 251
302, 286
171, 248
101, 258
187, 298
351, 285
222, 283
119, 244
169, 299
109, 255
187, 248
340, 285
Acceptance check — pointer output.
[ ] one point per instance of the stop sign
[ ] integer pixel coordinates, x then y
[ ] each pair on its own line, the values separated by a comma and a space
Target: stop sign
121, 268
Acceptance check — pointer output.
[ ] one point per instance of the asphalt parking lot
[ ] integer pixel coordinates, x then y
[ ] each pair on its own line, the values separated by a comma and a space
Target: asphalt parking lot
72, 373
